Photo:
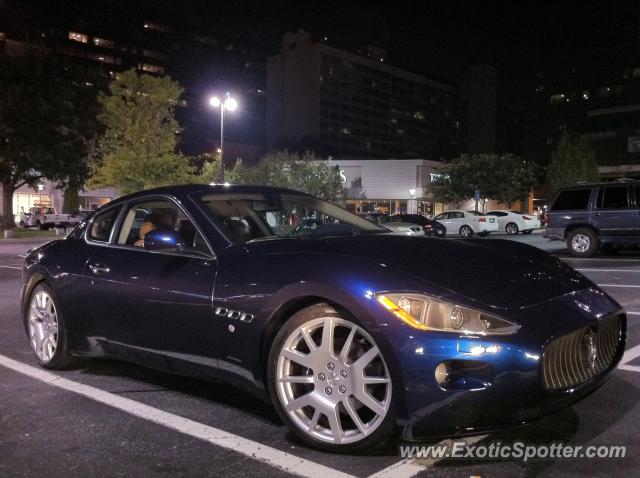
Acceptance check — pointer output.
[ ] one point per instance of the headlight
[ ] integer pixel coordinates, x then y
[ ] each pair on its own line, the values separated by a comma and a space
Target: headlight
427, 313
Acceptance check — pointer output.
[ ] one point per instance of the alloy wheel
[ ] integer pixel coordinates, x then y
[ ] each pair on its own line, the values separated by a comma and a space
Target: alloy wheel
43, 325
580, 243
332, 381
465, 231
511, 229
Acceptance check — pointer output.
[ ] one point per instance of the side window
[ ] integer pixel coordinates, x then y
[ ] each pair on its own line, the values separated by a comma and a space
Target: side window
459, 215
100, 229
572, 199
440, 217
613, 197
161, 214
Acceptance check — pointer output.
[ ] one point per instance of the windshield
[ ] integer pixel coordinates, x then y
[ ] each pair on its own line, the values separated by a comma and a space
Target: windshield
250, 216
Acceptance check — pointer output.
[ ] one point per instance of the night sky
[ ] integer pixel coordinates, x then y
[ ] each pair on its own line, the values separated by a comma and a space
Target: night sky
444, 38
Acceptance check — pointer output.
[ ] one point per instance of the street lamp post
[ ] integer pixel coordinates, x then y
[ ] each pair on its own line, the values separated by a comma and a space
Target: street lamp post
229, 104
412, 193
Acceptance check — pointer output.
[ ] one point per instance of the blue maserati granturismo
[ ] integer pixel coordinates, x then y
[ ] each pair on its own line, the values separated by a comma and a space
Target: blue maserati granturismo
351, 331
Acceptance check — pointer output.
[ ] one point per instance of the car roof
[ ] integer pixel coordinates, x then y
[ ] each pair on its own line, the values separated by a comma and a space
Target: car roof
591, 185
189, 189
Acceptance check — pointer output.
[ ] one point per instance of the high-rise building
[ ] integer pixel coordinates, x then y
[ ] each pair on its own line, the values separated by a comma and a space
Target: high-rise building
155, 38
356, 105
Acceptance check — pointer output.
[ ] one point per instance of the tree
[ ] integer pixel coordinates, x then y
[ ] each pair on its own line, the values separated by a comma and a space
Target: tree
507, 178
571, 162
46, 108
138, 148
306, 173
457, 181
70, 200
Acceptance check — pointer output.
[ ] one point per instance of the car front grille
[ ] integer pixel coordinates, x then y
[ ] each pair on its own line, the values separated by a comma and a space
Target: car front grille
577, 357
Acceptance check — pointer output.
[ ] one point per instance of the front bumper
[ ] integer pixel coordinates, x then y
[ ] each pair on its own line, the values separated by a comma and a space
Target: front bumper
504, 387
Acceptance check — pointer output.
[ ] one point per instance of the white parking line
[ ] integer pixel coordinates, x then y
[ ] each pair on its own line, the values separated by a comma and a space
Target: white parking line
266, 454
620, 285
411, 467
620, 259
11, 267
628, 356
636, 271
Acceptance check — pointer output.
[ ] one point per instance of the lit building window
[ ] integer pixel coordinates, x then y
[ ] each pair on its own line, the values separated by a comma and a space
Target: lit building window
149, 68
103, 42
78, 37
105, 59
155, 26
559, 98
418, 115
346, 130
585, 94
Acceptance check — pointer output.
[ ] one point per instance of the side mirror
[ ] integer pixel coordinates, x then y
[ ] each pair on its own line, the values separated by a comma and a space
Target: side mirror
163, 239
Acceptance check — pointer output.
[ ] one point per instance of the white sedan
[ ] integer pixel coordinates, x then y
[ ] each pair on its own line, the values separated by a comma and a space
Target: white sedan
467, 223
513, 222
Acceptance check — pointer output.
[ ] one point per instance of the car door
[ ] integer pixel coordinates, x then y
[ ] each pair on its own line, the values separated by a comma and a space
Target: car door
148, 301
443, 219
613, 214
500, 218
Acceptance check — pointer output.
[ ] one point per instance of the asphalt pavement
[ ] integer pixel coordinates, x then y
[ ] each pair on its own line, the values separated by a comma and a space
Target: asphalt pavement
112, 419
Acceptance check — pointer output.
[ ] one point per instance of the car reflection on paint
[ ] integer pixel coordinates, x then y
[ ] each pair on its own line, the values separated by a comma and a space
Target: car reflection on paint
350, 330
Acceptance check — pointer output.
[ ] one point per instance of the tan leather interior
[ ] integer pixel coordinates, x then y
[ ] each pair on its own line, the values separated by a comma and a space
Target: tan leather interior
146, 227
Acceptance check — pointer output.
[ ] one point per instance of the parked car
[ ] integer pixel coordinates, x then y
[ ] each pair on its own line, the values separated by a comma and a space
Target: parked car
467, 223
513, 222
589, 216
78, 216
407, 228
43, 218
350, 331
429, 226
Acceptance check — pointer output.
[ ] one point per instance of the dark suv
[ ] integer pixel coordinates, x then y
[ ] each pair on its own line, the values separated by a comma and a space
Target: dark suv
590, 215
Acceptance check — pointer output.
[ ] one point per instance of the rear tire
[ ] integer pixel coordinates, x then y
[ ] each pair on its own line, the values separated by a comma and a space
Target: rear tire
465, 231
46, 330
583, 242
511, 228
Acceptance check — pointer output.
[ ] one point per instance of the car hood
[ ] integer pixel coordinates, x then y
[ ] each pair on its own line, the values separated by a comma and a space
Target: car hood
496, 273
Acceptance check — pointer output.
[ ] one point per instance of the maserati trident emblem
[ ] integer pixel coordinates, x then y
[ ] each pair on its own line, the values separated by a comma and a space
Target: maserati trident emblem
590, 347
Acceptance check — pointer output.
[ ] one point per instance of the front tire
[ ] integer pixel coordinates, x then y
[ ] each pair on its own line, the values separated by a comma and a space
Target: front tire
465, 231
583, 242
45, 330
511, 228
329, 382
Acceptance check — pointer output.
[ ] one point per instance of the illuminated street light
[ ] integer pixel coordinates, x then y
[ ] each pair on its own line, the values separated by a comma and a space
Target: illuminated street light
412, 192
230, 104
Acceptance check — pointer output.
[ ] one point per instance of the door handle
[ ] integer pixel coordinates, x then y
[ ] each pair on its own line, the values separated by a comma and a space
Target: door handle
98, 269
